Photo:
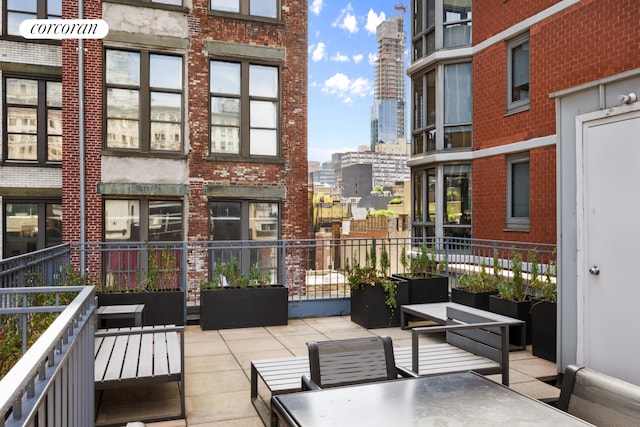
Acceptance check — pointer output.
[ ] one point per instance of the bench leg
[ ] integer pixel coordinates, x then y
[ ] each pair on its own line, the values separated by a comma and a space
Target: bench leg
258, 404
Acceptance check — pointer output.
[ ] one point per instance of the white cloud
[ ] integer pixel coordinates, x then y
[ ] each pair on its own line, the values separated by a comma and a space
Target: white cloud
357, 58
347, 20
345, 88
372, 58
339, 57
316, 7
319, 53
373, 21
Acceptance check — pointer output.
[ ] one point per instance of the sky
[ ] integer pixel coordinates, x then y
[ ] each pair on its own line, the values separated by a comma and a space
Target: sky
342, 48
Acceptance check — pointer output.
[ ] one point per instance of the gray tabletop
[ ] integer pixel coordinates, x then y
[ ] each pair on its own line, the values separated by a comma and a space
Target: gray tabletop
464, 399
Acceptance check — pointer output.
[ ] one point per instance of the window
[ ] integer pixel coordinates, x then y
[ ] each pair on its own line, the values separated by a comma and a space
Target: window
518, 191
23, 222
440, 24
262, 8
143, 101
518, 73
33, 112
19, 10
424, 203
457, 106
245, 220
245, 111
424, 109
456, 23
137, 220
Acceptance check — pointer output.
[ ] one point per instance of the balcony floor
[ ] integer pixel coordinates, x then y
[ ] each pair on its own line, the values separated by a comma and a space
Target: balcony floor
217, 370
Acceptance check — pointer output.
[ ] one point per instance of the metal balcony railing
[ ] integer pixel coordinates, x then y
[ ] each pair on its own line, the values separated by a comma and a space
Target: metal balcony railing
52, 383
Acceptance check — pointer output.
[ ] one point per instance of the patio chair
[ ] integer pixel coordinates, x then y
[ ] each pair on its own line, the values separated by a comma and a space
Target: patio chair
351, 361
598, 398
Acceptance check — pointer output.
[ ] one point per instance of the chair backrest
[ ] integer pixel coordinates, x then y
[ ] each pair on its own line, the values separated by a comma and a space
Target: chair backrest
598, 398
351, 361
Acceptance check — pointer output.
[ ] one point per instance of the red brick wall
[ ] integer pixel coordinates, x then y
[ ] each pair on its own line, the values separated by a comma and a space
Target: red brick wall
292, 173
586, 42
93, 130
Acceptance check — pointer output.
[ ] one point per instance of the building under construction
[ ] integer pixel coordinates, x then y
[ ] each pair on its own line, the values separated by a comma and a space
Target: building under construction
388, 110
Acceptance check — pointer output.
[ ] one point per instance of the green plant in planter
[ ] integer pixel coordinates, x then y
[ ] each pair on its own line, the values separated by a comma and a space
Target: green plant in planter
516, 288
425, 263
477, 281
371, 275
547, 289
235, 278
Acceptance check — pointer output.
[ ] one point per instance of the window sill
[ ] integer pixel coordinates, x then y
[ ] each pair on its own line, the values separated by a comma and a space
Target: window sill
522, 228
20, 39
262, 19
238, 159
517, 109
151, 5
154, 155
31, 164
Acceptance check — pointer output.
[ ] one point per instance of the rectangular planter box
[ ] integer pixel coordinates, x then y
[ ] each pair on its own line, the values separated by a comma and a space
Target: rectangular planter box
518, 310
368, 307
160, 308
424, 290
543, 329
479, 300
244, 307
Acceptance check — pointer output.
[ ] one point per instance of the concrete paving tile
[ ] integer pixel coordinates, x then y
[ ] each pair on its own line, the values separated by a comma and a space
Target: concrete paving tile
536, 367
254, 344
537, 390
347, 334
295, 327
244, 334
173, 423
300, 341
215, 363
195, 333
214, 383
222, 407
242, 422
327, 324
205, 348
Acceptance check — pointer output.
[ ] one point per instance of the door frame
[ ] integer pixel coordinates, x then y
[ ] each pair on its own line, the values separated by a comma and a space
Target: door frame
582, 123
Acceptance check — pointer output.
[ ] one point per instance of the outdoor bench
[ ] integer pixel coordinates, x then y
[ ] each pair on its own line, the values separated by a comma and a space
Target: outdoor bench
135, 356
484, 353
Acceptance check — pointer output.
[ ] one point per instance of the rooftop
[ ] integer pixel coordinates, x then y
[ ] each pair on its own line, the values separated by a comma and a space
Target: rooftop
217, 372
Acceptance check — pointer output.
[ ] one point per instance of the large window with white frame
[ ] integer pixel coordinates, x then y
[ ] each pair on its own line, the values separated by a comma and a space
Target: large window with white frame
518, 190
457, 106
258, 8
518, 73
16, 11
144, 105
245, 109
33, 120
424, 203
456, 201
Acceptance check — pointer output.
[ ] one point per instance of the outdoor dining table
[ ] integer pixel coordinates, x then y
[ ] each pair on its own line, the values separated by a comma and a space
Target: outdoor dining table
461, 399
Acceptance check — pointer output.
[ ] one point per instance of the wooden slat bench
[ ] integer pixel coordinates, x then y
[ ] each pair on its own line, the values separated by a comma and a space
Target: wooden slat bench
125, 357
284, 375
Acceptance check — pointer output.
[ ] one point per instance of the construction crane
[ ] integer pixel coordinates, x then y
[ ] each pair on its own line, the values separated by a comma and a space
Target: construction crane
401, 7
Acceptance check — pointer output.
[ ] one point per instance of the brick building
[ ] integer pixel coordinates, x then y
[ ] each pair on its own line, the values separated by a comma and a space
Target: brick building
30, 131
483, 123
193, 125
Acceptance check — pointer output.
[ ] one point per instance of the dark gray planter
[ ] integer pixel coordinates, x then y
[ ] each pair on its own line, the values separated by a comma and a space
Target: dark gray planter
368, 307
544, 316
243, 307
518, 310
479, 300
160, 308
423, 290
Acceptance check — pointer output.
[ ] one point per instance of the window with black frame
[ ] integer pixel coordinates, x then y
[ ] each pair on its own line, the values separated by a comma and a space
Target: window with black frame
31, 225
245, 230
143, 98
33, 117
257, 8
16, 11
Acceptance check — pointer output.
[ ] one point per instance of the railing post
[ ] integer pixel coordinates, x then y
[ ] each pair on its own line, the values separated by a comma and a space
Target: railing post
185, 277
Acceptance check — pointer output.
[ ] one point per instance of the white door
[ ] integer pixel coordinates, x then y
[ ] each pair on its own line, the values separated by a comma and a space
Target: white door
608, 229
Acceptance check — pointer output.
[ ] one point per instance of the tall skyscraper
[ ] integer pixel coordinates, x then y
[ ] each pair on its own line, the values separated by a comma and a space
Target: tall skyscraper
388, 109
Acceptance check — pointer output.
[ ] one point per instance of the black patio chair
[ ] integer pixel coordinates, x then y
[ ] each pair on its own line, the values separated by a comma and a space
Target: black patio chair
351, 361
598, 398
